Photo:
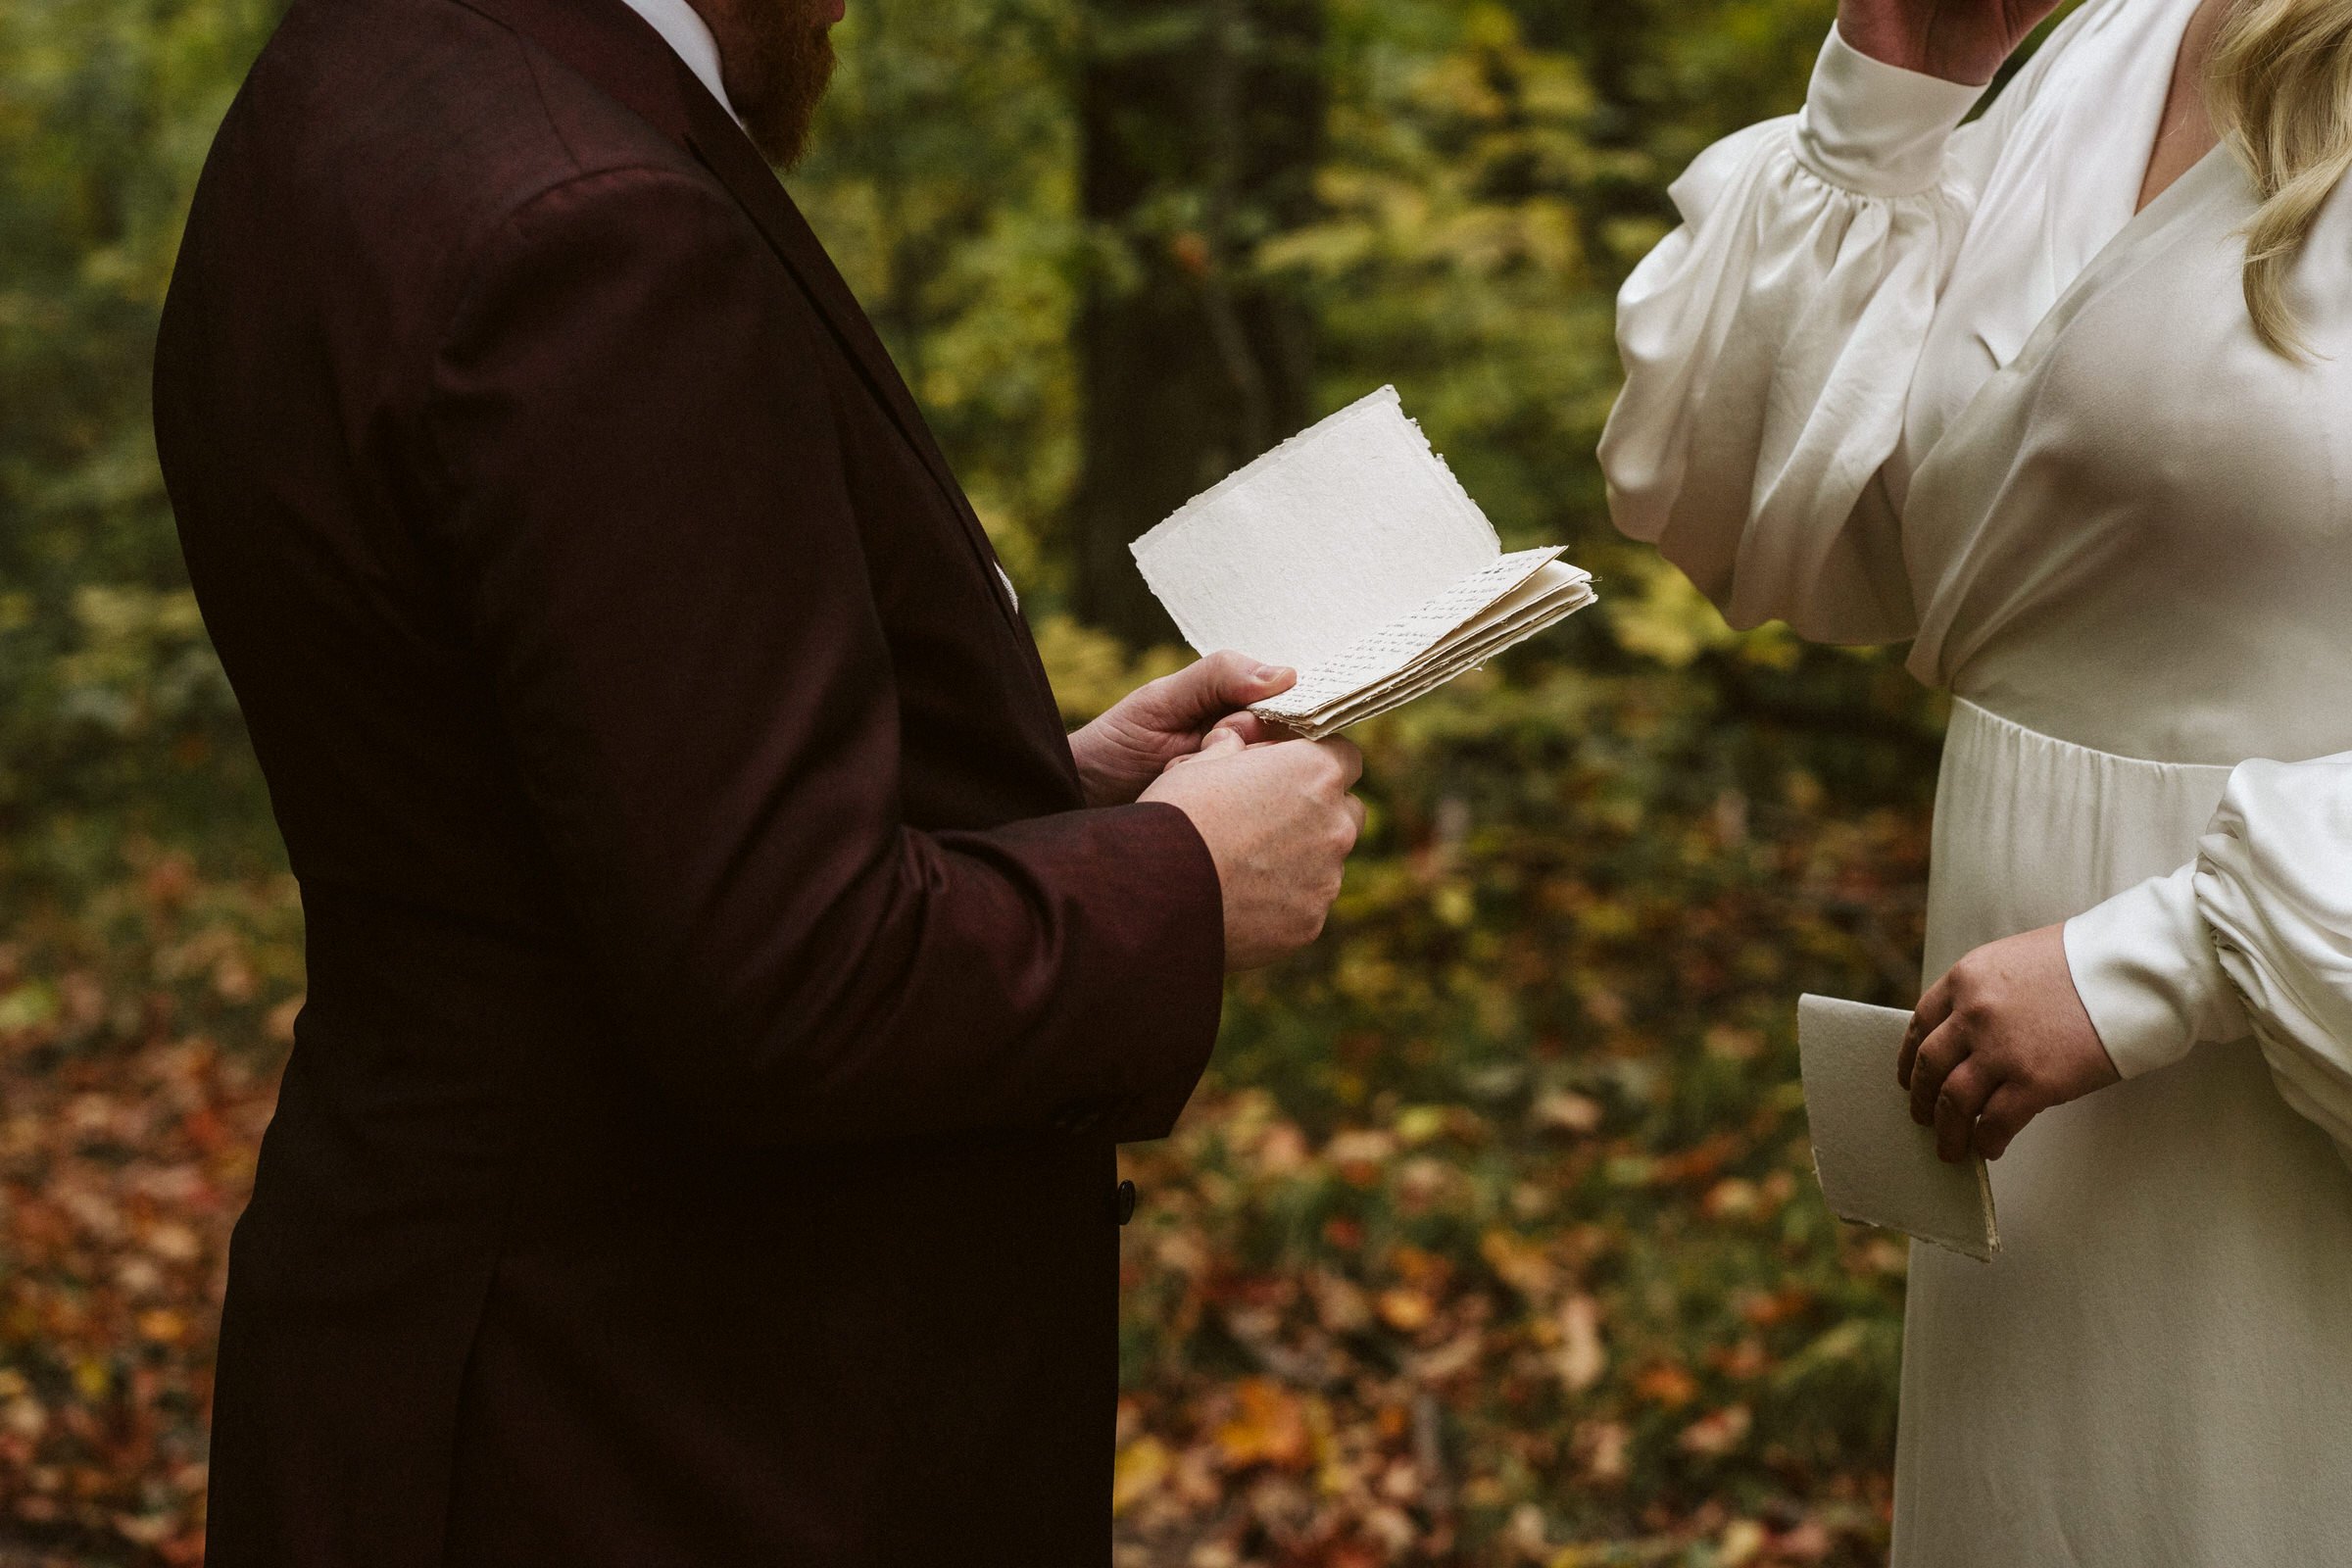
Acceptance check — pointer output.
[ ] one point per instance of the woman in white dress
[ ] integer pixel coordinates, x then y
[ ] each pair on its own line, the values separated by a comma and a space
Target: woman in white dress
2064, 396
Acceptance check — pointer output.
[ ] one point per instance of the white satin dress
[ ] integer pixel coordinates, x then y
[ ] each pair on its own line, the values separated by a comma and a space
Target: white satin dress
1896, 381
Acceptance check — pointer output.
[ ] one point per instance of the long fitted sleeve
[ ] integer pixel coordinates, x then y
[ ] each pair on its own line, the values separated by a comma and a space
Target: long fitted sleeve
2255, 934
1770, 344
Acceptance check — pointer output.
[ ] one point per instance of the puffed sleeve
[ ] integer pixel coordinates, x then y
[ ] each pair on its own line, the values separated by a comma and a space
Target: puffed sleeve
1769, 345
2255, 935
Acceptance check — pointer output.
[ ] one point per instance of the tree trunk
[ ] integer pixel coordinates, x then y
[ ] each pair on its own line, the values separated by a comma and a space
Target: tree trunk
1201, 126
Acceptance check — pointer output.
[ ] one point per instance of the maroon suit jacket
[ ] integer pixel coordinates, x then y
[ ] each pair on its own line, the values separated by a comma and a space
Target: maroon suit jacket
697, 1148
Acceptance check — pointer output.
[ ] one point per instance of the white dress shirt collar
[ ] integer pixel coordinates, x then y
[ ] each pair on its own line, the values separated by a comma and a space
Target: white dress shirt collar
688, 36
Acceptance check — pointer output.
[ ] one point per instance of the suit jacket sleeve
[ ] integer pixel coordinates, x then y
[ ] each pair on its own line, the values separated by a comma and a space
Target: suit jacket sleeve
652, 535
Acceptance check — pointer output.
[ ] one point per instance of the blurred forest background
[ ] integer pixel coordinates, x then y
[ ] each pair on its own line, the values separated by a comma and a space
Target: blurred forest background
1493, 1238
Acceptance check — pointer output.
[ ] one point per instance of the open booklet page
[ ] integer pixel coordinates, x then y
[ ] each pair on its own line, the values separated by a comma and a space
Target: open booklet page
1352, 554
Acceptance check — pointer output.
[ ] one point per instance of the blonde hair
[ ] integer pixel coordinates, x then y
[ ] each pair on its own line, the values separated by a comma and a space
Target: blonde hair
2280, 88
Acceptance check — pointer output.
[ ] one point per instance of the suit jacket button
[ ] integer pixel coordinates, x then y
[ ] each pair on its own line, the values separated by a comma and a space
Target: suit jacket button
1122, 1202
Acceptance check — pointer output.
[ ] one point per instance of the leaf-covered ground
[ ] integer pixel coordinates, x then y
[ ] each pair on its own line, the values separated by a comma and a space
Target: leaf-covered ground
1492, 1239
1496, 1240
140, 1036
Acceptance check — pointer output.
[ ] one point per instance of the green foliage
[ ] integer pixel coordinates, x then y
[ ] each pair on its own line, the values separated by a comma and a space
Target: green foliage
111, 704
1493, 1238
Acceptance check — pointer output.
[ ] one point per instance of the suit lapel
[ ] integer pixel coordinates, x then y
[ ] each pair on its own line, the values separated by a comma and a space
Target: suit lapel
617, 50
729, 155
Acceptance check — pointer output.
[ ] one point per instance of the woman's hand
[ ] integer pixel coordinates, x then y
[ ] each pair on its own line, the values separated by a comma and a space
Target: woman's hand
2000, 1038
1959, 41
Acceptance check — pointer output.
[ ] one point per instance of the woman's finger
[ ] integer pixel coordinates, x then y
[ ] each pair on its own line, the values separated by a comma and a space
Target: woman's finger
2003, 1118
1943, 1050
1965, 1089
1933, 1010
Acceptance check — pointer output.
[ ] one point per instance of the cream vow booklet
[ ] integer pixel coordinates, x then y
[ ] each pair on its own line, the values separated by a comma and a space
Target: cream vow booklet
1352, 554
1877, 1165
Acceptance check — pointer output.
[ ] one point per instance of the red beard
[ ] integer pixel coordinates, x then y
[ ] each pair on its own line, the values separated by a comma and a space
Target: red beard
776, 63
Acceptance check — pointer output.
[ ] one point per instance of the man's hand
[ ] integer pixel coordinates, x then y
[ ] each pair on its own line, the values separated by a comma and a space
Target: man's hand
1121, 753
1996, 1042
1279, 822
1959, 41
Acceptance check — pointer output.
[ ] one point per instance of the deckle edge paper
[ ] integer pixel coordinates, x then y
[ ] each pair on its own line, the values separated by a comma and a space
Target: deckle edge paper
1875, 1166
1147, 543
1391, 648
1352, 553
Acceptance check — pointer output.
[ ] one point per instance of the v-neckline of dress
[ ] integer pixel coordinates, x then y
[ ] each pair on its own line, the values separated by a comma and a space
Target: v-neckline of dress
2086, 216
2164, 102
2149, 99
2109, 259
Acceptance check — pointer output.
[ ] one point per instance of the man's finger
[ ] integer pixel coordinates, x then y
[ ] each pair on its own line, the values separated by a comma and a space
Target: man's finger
1350, 761
1236, 680
1216, 743
1252, 729
1933, 1010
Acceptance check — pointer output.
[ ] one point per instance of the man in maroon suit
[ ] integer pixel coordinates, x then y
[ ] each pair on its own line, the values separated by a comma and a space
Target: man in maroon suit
727, 981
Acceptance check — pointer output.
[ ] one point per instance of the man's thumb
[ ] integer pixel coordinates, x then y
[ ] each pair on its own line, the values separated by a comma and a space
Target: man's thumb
1217, 743
1237, 680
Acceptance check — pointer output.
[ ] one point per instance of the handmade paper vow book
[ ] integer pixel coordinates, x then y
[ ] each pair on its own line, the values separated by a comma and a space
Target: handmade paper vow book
1877, 1165
1352, 554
